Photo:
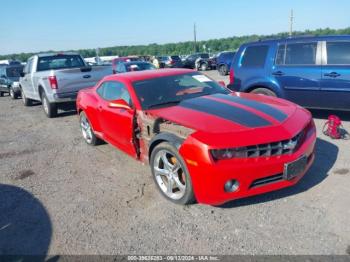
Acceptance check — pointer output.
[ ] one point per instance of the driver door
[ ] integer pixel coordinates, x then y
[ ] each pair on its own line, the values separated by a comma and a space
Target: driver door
116, 123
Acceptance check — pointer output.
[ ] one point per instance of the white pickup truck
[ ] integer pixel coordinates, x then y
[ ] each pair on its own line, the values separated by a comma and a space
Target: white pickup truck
57, 78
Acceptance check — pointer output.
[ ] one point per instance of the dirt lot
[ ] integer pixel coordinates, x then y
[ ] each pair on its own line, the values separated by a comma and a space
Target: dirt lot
61, 196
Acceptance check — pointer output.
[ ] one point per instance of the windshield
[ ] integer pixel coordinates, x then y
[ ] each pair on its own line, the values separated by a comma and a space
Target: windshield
60, 62
168, 90
14, 71
139, 67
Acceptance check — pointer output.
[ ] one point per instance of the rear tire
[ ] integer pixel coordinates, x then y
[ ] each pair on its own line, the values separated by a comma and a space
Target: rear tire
223, 70
50, 109
263, 91
26, 101
171, 175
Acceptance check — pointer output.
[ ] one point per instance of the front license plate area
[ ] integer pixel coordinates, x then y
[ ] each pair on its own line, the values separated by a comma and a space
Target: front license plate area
294, 168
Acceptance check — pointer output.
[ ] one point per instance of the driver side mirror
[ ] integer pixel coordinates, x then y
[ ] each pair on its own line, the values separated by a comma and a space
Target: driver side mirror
222, 83
22, 74
119, 103
3, 76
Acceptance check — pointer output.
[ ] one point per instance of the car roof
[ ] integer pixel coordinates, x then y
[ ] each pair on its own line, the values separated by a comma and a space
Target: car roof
57, 53
302, 38
148, 74
13, 66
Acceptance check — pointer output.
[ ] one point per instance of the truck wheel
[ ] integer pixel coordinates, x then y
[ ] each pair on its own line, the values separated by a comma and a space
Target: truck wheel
203, 67
50, 109
263, 91
223, 70
1, 94
13, 94
171, 175
86, 129
26, 101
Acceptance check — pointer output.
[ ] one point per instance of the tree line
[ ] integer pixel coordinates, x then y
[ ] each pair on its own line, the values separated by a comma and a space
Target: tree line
183, 48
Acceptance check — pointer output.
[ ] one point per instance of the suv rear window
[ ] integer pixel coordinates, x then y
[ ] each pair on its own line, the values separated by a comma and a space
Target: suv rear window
59, 62
297, 54
338, 53
255, 56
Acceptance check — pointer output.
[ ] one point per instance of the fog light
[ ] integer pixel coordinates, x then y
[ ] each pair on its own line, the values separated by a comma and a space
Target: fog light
231, 186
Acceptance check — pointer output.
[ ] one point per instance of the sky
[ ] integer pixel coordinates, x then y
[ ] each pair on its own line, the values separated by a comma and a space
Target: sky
41, 25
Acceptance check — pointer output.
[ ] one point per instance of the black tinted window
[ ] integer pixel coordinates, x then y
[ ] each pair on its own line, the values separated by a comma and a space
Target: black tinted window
255, 56
60, 62
300, 54
338, 53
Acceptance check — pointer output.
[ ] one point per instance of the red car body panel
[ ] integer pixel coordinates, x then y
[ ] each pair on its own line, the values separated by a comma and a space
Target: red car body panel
203, 131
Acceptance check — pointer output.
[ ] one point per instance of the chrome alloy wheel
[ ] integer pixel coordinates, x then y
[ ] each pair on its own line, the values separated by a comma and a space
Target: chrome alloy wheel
86, 128
45, 105
169, 174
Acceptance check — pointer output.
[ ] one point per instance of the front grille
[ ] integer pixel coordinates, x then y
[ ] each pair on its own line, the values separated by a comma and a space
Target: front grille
266, 180
276, 148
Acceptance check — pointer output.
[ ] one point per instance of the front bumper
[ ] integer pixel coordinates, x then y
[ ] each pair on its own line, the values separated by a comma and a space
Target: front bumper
208, 179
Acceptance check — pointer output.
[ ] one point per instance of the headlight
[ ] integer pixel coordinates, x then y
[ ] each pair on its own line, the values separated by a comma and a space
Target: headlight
15, 84
239, 152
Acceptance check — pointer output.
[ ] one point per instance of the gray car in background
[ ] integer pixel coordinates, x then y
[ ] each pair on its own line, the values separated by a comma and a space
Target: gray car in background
57, 78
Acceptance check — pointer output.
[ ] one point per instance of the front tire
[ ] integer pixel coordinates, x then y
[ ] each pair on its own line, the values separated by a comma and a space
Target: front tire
263, 91
171, 175
87, 131
26, 101
50, 109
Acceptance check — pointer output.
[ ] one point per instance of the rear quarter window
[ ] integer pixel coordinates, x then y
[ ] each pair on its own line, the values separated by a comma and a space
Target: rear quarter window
255, 56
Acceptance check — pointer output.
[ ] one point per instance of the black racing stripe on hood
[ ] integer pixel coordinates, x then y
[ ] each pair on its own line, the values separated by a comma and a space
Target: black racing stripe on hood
228, 112
269, 110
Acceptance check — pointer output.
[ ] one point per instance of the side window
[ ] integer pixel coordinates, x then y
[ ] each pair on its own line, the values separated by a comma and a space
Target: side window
113, 91
338, 53
280, 56
30, 66
120, 68
300, 54
255, 56
100, 89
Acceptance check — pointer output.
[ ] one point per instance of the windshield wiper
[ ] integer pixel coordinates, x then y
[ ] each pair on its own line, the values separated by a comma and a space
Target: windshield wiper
167, 103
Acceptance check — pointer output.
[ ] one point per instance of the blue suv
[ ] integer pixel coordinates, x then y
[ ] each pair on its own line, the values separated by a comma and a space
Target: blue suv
223, 62
311, 71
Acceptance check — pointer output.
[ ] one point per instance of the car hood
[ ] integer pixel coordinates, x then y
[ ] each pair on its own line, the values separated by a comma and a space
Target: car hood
237, 113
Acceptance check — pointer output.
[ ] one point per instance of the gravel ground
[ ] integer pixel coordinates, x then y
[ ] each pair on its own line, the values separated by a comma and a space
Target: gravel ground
60, 196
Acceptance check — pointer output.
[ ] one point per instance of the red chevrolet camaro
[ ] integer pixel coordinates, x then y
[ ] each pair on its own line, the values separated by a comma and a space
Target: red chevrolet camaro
203, 142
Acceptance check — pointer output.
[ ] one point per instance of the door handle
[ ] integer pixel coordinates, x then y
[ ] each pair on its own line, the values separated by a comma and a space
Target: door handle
86, 76
332, 74
278, 73
99, 108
